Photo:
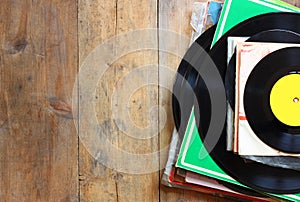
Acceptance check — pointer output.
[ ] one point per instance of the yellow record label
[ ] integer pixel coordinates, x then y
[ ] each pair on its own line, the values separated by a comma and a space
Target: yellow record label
285, 100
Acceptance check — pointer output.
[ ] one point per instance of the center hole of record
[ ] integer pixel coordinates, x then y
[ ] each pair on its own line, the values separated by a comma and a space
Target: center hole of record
296, 100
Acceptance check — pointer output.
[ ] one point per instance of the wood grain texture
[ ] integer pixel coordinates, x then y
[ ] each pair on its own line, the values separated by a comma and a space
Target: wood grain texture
38, 65
96, 181
100, 20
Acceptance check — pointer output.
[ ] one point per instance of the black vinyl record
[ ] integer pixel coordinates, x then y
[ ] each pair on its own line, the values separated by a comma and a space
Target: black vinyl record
183, 97
270, 36
185, 82
258, 88
255, 175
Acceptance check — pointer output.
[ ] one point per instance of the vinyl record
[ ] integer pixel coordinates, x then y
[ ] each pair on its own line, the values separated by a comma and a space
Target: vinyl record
275, 84
183, 89
270, 36
185, 82
255, 175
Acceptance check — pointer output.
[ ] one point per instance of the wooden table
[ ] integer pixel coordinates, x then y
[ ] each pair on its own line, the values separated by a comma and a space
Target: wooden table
43, 45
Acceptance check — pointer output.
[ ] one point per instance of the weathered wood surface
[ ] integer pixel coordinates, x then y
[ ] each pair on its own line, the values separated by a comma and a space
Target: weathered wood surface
43, 45
38, 65
100, 20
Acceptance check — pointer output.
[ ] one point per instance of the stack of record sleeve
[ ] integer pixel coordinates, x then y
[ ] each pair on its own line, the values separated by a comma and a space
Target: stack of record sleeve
236, 103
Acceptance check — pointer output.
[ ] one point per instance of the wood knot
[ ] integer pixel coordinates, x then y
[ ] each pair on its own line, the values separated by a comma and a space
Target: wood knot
18, 45
2, 122
60, 108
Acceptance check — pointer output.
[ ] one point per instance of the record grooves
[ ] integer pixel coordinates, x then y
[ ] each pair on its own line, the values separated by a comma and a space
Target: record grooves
185, 80
183, 90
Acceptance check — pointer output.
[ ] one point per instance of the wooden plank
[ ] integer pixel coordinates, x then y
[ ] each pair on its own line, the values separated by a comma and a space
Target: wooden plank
38, 65
96, 181
98, 21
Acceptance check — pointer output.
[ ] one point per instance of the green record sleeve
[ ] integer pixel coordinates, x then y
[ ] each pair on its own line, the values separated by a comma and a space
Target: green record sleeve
236, 11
